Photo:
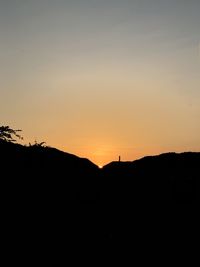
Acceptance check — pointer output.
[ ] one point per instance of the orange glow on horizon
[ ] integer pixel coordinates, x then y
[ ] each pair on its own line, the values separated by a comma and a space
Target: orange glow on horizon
120, 80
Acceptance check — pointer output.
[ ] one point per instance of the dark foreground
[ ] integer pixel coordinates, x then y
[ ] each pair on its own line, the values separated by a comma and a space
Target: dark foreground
57, 206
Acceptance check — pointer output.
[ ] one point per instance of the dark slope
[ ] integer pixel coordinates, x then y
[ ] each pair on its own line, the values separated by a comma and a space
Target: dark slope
172, 176
41, 157
47, 198
45, 166
54, 203
154, 202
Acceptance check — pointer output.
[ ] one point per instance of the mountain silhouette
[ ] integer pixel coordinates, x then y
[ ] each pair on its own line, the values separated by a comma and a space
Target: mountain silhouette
53, 202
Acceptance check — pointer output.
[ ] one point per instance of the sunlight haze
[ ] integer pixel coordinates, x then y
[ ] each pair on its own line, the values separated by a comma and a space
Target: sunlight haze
101, 79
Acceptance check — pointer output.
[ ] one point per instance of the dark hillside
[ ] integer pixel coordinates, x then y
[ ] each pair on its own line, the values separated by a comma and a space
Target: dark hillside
46, 198
45, 165
172, 176
154, 200
56, 202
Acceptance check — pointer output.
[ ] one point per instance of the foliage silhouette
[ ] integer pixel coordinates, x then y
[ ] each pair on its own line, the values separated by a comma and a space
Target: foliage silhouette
7, 134
36, 144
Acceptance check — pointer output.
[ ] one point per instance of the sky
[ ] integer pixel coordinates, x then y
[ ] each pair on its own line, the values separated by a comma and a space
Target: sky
102, 78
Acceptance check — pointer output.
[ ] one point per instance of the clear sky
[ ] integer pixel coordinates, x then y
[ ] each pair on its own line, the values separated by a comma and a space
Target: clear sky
102, 78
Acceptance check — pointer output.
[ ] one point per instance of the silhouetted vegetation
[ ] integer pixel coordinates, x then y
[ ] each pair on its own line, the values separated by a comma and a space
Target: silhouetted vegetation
36, 144
8, 134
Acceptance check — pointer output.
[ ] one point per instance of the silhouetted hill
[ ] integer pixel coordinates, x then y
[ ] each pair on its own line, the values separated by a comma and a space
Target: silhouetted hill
46, 194
155, 188
42, 155
56, 202
171, 175
45, 165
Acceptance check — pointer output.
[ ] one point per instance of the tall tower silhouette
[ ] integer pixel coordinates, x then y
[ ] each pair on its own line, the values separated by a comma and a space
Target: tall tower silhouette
119, 158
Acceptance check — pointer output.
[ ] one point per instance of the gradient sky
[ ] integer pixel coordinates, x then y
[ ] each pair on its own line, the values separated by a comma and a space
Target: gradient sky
102, 78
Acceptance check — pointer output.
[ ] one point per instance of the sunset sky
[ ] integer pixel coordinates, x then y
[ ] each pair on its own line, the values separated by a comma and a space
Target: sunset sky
102, 78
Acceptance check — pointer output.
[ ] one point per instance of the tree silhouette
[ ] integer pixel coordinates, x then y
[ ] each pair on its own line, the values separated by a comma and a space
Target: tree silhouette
7, 134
